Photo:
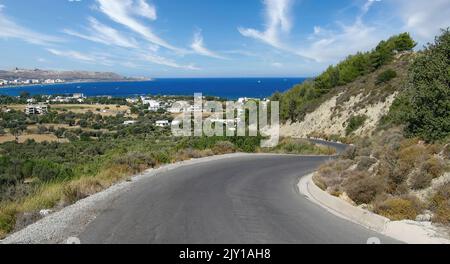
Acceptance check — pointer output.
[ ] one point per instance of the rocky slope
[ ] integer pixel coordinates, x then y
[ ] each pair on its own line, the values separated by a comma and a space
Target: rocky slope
365, 97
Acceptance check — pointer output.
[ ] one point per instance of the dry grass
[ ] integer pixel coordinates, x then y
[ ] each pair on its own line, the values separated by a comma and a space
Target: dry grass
440, 205
36, 137
105, 110
399, 208
57, 195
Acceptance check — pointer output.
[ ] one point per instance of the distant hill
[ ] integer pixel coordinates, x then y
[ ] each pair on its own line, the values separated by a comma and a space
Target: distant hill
68, 76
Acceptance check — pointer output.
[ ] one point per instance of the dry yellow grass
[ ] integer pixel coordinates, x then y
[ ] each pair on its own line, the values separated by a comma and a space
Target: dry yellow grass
105, 110
37, 137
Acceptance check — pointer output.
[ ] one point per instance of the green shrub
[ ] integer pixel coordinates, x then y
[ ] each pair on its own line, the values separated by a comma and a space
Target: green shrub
386, 76
430, 99
362, 188
354, 123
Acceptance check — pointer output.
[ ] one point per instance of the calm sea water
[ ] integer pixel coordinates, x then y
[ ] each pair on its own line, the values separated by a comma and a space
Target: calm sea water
230, 88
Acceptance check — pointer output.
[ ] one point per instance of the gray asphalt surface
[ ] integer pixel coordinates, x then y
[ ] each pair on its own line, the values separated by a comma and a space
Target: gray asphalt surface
252, 199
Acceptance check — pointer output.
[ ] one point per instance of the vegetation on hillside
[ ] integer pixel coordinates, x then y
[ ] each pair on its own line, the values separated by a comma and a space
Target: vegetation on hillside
404, 169
304, 98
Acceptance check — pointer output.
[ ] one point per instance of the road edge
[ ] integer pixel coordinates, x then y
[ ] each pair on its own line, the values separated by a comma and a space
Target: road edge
63, 224
410, 232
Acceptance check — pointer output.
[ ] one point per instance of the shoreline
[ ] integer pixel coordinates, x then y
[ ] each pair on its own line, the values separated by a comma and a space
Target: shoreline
72, 82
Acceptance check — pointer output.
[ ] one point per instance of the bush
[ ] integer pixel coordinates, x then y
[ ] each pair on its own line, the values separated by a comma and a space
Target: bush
421, 179
365, 163
362, 188
398, 209
7, 220
136, 162
386, 76
354, 123
331, 174
434, 166
223, 147
349, 153
430, 99
440, 205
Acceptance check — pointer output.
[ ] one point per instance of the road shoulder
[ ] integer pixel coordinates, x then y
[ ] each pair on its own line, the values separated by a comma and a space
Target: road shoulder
410, 232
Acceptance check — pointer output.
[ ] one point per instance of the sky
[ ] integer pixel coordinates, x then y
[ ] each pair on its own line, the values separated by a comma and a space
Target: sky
206, 38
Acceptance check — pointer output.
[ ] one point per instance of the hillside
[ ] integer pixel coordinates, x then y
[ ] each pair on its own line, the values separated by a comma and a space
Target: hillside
365, 99
397, 115
65, 75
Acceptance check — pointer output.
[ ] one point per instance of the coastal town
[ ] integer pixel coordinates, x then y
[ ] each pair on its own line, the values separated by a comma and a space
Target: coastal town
24, 82
73, 109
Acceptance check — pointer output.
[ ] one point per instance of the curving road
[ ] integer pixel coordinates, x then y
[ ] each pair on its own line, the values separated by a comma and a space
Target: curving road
248, 199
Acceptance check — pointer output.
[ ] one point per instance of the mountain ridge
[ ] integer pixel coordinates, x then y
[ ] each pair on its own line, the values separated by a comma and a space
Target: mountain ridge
69, 76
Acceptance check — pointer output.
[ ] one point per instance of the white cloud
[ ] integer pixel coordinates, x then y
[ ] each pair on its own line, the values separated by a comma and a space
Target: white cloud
10, 29
156, 59
146, 10
199, 47
72, 55
123, 12
92, 58
327, 45
277, 64
101, 33
424, 18
331, 46
277, 20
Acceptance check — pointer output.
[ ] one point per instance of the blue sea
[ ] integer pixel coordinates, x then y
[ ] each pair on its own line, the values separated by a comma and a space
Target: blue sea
230, 88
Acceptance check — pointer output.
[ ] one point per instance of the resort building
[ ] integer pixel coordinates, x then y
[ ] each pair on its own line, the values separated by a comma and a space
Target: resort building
154, 105
39, 109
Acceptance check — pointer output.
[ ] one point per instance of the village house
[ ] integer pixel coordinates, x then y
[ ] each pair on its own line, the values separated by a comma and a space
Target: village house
129, 122
162, 123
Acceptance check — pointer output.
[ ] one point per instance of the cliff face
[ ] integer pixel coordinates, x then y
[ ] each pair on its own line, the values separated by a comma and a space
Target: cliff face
366, 99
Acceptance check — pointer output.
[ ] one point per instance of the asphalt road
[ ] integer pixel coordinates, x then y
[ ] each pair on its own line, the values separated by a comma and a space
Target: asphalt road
251, 199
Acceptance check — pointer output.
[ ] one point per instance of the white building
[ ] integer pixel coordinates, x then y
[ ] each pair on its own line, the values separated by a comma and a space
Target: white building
153, 105
3, 82
162, 123
175, 110
39, 109
132, 100
129, 122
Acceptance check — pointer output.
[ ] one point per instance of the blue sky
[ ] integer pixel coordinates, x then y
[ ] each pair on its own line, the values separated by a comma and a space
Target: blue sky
205, 38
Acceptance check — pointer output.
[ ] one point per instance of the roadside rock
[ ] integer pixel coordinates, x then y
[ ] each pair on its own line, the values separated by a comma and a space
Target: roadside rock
425, 217
45, 212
